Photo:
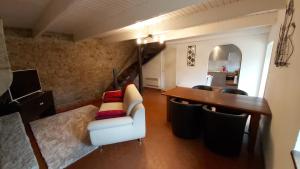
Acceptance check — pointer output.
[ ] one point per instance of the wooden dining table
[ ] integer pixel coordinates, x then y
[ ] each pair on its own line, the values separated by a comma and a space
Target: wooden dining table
254, 106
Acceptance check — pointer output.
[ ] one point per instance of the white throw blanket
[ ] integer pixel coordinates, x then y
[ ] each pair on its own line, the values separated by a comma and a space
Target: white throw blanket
15, 148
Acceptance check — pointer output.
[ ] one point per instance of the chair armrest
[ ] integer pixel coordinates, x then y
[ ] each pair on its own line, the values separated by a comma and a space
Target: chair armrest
109, 123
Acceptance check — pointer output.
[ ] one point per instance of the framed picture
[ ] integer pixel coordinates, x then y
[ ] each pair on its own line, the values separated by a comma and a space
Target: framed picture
191, 55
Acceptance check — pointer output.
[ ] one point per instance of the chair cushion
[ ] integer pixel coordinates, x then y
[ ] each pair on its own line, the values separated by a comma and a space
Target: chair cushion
110, 110
110, 114
111, 106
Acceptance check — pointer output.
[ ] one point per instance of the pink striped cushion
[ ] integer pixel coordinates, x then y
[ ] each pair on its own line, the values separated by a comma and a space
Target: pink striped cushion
112, 99
115, 93
110, 114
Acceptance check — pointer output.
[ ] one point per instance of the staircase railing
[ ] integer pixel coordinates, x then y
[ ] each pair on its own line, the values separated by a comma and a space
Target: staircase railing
128, 74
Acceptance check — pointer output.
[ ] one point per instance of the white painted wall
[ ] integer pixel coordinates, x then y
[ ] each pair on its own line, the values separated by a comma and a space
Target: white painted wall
283, 95
163, 66
297, 145
266, 69
169, 67
252, 46
153, 69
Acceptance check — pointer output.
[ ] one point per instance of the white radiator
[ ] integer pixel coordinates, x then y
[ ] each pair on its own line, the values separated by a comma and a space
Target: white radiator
152, 82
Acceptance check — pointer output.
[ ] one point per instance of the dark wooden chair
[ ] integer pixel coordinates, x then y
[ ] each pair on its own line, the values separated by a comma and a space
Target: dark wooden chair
203, 87
234, 91
223, 132
239, 92
185, 118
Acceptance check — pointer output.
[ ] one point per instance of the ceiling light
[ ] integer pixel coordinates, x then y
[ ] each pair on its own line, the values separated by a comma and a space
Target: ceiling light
139, 41
150, 38
217, 48
161, 39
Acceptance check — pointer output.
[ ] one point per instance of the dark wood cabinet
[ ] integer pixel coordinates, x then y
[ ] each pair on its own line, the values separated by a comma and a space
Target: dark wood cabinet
34, 107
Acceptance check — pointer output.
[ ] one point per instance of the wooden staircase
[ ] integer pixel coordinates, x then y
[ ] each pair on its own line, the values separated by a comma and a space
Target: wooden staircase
129, 74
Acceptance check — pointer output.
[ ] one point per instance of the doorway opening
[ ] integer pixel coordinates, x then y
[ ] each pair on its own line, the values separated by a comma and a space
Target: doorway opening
224, 66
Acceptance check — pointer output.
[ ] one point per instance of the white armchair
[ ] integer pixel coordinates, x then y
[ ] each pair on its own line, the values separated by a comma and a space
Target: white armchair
114, 130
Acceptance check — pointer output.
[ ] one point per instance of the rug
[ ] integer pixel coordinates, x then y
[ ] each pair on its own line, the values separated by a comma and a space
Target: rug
15, 149
63, 138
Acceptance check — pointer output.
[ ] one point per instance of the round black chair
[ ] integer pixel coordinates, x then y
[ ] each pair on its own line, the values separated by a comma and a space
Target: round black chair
234, 91
203, 87
185, 118
223, 132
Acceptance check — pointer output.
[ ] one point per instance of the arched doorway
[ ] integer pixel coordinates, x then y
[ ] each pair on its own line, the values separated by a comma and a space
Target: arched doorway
224, 65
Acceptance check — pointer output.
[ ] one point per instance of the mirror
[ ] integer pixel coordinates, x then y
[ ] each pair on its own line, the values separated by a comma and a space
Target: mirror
224, 66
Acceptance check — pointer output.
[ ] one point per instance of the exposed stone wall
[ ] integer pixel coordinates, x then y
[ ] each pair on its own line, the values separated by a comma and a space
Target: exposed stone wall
74, 71
5, 71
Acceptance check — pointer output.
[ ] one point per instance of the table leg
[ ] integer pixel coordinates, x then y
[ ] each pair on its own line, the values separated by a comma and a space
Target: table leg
254, 124
168, 111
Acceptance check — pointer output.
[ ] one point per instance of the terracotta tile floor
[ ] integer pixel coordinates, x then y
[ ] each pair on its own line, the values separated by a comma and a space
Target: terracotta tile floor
160, 149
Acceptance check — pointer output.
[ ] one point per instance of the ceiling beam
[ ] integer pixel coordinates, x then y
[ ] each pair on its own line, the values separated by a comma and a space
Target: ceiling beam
55, 9
240, 23
144, 11
239, 9
257, 23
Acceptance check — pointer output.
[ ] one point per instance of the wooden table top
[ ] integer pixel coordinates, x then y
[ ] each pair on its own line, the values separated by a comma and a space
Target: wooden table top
251, 105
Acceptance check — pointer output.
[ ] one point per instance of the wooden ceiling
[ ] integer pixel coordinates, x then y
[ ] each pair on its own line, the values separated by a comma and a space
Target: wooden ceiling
21, 13
93, 18
189, 10
88, 13
85, 13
